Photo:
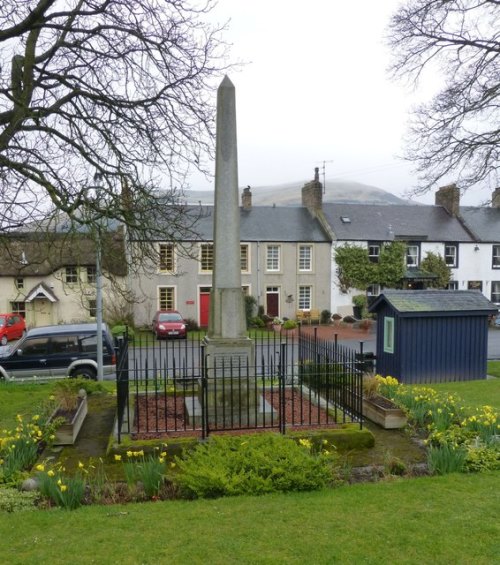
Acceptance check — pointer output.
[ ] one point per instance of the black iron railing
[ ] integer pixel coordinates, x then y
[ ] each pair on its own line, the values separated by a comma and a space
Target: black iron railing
293, 381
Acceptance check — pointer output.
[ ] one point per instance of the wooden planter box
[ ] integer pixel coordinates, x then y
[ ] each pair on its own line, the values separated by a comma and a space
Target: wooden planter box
67, 433
387, 417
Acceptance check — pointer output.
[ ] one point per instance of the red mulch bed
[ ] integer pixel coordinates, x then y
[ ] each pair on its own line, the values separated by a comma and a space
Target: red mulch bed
158, 417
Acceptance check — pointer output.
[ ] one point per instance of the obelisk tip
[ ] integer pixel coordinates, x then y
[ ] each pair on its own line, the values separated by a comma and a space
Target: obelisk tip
226, 83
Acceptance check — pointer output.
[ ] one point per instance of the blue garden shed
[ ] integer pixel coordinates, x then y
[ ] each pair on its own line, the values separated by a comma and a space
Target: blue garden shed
430, 336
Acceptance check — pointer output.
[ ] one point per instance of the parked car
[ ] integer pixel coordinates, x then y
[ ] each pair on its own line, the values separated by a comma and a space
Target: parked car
58, 351
169, 323
12, 326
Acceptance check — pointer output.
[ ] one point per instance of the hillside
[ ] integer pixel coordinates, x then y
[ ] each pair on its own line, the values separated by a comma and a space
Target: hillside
289, 194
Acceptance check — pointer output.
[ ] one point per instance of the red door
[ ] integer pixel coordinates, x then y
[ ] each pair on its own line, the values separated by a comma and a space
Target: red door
272, 302
204, 306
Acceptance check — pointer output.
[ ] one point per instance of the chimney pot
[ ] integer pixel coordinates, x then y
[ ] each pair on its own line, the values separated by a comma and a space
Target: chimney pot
246, 198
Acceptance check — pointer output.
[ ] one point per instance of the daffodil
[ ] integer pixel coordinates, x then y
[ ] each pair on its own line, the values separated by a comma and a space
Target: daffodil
118, 457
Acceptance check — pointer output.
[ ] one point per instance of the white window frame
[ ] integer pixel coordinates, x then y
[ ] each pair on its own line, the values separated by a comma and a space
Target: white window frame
389, 334
71, 277
164, 302
495, 257
495, 292
273, 258
415, 255
305, 262
166, 254
204, 249
91, 273
374, 252
451, 254
305, 294
245, 257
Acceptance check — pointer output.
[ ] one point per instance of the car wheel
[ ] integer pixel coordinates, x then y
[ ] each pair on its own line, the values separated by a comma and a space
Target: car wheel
4, 340
84, 373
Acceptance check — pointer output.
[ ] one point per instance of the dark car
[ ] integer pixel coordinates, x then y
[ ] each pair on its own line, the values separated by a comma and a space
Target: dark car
169, 323
12, 326
58, 351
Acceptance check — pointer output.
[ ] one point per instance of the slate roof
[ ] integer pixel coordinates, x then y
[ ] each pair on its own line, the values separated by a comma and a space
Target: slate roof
484, 223
420, 301
370, 222
266, 223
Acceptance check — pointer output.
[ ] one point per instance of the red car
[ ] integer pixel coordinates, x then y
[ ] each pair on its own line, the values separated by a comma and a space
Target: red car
12, 326
169, 323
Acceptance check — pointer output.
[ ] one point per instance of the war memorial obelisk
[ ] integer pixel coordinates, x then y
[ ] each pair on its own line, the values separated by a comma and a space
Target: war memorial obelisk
228, 349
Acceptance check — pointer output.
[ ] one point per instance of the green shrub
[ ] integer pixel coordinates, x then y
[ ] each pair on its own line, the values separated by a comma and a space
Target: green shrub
289, 324
229, 466
482, 458
122, 330
326, 316
13, 500
257, 322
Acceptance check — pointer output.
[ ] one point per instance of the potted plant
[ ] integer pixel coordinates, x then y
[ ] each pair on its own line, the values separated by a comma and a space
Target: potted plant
277, 323
378, 408
289, 326
71, 409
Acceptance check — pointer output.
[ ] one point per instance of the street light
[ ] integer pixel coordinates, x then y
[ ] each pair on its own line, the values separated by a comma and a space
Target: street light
98, 284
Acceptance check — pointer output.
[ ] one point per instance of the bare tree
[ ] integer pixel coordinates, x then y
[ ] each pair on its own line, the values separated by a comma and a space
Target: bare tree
455, 136
120, 88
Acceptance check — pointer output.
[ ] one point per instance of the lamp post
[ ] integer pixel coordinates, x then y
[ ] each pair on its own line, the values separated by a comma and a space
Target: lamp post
98, 285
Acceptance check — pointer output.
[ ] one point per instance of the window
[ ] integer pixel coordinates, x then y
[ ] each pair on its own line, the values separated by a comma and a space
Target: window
273, 258
92, 308
451, 255
388, 334
71, 275
36, 346
91, 275
207, 256
452, 285
167, 257
245, 289
19, 283
166, 298
18, 308
373, 252
475, 285
373, 290
245, 265
305, 257
496, 257
305, 294
412, 253
495, 292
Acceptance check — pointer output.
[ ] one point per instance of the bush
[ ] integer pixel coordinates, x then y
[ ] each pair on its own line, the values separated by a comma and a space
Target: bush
289, 324
230, 466
257, 322
326, 316
191, 325
122, 330
250, 307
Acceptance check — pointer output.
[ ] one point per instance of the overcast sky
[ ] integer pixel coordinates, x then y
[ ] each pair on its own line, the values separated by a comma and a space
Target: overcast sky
316, 89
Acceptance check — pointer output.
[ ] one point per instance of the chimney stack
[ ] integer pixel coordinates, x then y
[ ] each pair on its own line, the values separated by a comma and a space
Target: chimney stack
449, 197
312, 194
246, 199
495, 198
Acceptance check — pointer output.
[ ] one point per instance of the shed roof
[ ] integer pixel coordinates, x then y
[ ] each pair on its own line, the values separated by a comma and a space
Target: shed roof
446, 301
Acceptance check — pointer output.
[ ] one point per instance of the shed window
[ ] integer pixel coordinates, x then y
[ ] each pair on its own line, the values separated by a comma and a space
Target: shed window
388, 334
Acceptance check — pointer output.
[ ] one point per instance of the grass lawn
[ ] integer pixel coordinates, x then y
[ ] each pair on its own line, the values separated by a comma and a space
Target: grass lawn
475, 393
450, 519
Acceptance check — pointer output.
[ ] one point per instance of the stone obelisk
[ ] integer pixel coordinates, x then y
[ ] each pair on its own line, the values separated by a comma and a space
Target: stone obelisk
229, 351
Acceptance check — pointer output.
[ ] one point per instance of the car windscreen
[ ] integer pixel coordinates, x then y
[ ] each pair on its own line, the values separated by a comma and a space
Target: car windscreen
170, 318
